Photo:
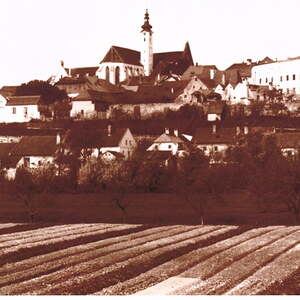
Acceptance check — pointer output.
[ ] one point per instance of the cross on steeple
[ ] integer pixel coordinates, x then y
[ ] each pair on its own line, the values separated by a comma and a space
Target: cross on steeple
146, 26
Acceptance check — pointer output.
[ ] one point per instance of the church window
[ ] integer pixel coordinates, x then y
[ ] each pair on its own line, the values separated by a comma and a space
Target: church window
107, 74
117, 75
294, 76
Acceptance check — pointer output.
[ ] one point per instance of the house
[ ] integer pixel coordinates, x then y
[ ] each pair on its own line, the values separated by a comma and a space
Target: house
196, 90
19, 109
31, 152
96, 142
282, 74
35, 151
109, 156
175, 143
214, 141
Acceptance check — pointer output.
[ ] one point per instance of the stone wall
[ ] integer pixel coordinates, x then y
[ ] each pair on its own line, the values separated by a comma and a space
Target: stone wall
142, 111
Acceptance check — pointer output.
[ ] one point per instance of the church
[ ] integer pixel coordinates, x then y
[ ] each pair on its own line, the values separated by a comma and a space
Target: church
120, 64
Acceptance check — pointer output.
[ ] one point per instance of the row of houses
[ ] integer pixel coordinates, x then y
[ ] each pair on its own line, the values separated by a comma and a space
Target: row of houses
35, 149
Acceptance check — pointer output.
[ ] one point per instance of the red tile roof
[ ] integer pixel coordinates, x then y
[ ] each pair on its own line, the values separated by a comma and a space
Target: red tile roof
35, 146
207, 136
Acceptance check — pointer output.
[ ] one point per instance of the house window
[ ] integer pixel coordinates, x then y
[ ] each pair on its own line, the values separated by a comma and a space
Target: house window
25, 111
204, 148
287, 77
169, 146
294, 90
156, 147
215, 148
266, 80
294, 76
280, 78
14, 110
260, 81
126, 142
287, 91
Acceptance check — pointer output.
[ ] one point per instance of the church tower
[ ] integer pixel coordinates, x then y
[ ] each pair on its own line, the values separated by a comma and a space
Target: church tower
147, 48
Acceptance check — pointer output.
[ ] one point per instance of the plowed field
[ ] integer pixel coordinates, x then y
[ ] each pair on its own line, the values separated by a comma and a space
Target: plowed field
118, 259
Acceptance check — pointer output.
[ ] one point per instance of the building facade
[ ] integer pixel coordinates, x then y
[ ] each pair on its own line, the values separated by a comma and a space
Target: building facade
284, 74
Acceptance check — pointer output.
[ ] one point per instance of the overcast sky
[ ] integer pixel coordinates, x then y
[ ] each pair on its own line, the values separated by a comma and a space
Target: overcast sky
37, 34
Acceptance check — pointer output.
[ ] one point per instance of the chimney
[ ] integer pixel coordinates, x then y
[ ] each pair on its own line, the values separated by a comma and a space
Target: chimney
58, 138
246, 130
167, 131
176, 132
214, 129
238, 130
109, 130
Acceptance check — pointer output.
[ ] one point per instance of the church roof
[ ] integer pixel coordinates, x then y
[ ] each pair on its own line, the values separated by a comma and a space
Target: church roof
123, 55
175, 62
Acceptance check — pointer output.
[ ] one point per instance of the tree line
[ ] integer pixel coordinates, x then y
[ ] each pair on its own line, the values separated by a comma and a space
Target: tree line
255, 165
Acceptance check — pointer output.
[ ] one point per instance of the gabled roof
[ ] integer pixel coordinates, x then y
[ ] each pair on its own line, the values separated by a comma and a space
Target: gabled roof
175, 62
83, 71
201, 71
123, 55
118, 155
35, 146
210, 83
207, 136
8, 90
23, 100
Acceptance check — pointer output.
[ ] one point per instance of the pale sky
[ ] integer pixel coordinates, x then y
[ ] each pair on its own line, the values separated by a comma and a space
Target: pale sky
37, 34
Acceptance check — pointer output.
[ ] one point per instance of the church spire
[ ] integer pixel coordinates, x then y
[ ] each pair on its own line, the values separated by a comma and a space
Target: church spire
146, 26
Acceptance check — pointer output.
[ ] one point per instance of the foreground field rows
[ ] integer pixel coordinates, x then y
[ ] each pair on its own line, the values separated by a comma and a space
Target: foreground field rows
115, 259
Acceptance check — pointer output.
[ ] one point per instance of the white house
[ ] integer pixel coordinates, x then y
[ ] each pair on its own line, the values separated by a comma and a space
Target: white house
114, 140
283, 74
175, 143
19, 109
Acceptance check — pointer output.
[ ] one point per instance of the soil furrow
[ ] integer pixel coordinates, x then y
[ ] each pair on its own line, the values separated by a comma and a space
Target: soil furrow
92, 251
121, 271
79, 272
182, 263
220, 261
54, 231
245, 267
47, 246
267, 279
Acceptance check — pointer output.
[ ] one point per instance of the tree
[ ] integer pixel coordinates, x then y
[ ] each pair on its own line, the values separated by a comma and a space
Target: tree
257, 108
187, 184
49, 93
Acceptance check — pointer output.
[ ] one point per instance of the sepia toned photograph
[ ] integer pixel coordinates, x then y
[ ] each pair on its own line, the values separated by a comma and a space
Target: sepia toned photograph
149, 147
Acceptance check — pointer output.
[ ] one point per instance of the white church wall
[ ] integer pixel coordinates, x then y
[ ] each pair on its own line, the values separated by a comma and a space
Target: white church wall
126, 70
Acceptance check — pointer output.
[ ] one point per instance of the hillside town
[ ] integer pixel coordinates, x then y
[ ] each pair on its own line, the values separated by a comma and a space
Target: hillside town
140, 85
